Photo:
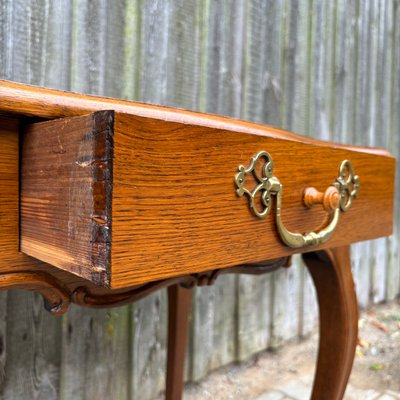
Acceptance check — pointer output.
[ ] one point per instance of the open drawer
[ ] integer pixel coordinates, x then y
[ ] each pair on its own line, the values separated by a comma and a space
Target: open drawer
138, 193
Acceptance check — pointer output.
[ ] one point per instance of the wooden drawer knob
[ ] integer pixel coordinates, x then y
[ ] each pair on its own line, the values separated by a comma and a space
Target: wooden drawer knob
330, 199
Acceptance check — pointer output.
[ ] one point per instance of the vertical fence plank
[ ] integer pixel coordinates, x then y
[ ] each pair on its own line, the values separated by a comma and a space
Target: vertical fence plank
383, 135
321, 25
5, 67
321, 72
18, 36
148, 352
331, 69
375, 95
184, 81
394, 285
201, 340
33, 348
361, 251
149, 328
88, 46
184, 57
254, 292
346, 78
94, 357
6, 38
56, 58
345, 70
288, 283
213, 340
33, 355
3, 335
96, 340
132, 39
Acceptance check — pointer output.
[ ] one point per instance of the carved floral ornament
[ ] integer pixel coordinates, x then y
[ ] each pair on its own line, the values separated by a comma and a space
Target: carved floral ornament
58, 298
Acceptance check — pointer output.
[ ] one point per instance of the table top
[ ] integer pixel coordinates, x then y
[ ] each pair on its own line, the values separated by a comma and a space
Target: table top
167, 192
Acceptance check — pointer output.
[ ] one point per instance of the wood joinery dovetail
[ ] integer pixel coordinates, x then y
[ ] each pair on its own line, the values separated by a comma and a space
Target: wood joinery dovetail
66, 194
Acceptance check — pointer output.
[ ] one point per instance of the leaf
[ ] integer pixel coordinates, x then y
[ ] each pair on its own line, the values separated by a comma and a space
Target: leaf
380, 326
359, 353
376, 367
363, 343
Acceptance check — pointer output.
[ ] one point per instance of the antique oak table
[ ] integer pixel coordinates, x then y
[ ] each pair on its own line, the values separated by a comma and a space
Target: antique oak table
104, 201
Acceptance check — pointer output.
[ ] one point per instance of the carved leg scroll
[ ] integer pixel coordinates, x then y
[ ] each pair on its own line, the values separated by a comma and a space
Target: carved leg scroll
331, 273
179, 303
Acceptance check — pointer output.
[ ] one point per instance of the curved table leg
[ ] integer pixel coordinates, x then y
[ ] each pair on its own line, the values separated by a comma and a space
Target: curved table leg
179, 303
331, 272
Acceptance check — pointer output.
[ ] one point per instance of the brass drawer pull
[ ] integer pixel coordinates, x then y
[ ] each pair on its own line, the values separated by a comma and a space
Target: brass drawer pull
337, 197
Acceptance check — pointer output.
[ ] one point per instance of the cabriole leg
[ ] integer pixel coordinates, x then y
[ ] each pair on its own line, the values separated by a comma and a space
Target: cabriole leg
333, 280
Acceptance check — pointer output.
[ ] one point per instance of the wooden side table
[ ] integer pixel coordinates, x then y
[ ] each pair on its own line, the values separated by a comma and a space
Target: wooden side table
104, 201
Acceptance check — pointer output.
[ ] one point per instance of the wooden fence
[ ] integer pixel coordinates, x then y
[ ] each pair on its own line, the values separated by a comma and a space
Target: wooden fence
329, 69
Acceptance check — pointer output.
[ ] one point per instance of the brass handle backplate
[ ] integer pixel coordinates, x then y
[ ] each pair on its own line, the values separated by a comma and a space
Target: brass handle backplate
336, 198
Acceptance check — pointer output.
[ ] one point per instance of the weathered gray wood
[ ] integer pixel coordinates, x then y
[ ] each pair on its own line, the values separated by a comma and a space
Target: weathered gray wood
254, 315
331, 69
319, 106
5, 27
394, 274
221, 71
184, 55
33, 355
88, 46
132, 39
148, 346
382, 136
376, 94
361, 251
285, 307
345, 70
201, 338
149, 328
259, 81
98, 340
288, 284
56, 53
33, 349
95, 358
346, 79
3, 334
321, 63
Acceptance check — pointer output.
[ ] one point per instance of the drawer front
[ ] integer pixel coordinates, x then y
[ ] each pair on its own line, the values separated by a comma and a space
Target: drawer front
176, 208
129, 201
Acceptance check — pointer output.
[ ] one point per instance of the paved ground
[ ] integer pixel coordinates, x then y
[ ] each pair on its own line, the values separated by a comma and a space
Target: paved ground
300, 389
287, 373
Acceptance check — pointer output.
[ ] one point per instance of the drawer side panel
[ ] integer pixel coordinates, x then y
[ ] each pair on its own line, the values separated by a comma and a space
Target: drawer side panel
66, 185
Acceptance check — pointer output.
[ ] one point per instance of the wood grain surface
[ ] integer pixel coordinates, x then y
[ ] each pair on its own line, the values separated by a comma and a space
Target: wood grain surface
174, 206
66, 188
303, 66
11, 258
333, 279
51, 104
9, 209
